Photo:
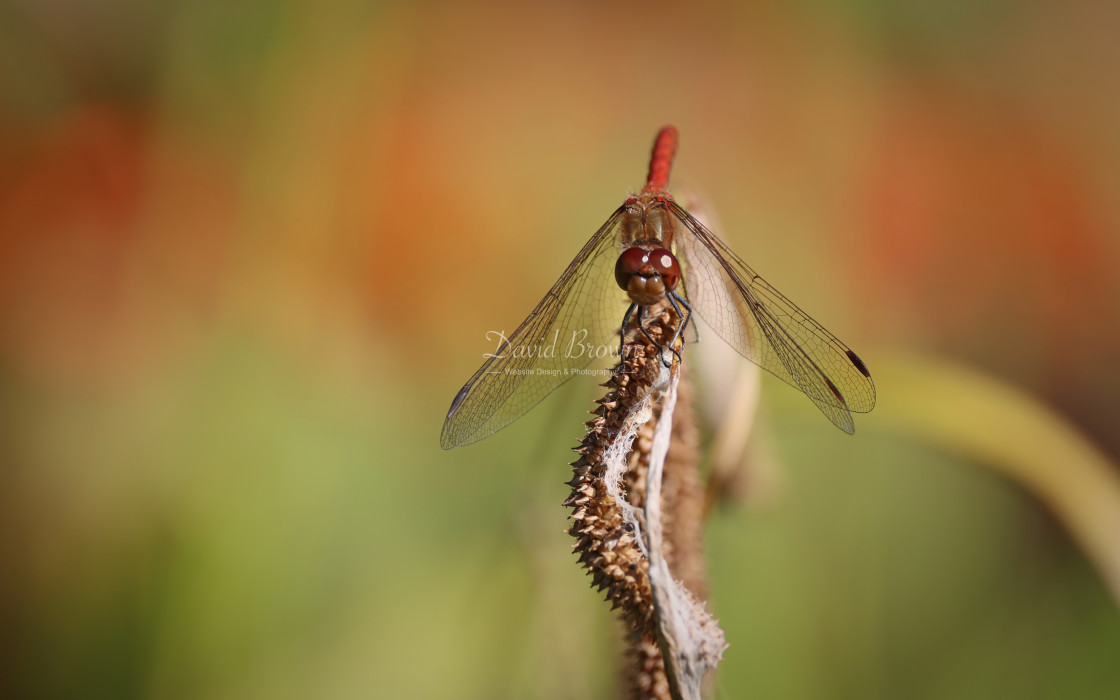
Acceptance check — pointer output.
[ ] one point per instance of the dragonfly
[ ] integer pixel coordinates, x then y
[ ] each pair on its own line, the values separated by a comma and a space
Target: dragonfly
649, 251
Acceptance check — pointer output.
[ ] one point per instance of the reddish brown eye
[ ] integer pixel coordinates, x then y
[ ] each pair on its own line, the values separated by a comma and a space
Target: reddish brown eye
628, 265
666, 265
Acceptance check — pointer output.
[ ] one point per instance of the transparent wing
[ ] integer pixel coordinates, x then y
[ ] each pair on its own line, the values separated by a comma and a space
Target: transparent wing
768, 329
579, 312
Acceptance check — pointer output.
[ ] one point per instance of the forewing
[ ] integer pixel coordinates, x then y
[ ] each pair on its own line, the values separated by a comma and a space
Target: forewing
580, 311
768, 329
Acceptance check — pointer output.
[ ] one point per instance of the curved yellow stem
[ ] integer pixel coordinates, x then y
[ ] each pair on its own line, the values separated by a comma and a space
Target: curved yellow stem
972, 413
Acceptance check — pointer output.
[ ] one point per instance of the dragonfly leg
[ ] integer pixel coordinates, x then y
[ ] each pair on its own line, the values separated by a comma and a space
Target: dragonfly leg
641, 326
622, 332
676, 299
642, 310
660, 347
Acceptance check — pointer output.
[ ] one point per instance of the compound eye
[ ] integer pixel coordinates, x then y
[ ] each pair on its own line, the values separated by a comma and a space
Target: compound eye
628, 265
667, 266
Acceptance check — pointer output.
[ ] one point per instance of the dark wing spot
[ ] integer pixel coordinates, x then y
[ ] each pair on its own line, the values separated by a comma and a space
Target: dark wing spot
859, 364
835, 391
458, 400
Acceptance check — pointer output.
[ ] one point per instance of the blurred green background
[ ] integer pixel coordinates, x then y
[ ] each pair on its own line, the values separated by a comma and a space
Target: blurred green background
249, 252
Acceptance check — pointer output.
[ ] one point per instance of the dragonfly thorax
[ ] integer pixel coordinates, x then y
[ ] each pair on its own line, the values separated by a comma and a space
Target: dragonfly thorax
646, 220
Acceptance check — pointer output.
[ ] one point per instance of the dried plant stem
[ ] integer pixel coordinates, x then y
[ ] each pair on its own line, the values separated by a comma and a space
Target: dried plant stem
691, 641
631, 538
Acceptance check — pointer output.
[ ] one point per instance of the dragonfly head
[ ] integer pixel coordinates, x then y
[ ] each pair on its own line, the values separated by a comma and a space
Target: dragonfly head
647, 273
